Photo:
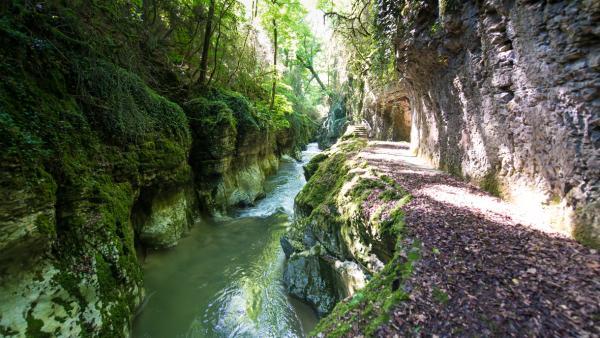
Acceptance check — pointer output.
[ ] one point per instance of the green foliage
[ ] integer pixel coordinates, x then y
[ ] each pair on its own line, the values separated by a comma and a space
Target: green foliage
435, 28
367, 29
120, 104
491, 184
288, 16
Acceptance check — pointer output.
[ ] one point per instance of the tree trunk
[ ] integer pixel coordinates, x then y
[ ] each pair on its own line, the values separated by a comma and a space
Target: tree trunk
224, 11
316, 76
206, 44
254, 9
310, 68
145, 10
237, 67
274, 64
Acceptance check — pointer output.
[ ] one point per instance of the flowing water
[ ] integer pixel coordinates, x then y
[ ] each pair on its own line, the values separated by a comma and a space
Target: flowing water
225, 278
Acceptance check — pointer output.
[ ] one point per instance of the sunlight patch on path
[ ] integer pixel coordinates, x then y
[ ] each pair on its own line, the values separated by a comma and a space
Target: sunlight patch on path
396, 157
488, 206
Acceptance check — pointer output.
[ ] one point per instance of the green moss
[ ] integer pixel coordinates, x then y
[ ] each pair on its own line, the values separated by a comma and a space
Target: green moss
34, 327
585, 228
393, 226
117, 315
245, 112
447, 6
340, 330
391, 195
45, 225
120, 104
372, 307
364, 187
440, 296
324, 183
491, 184
311, 167
210, 114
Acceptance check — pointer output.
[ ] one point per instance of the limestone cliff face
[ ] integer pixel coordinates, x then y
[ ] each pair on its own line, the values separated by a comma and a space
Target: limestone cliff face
505, 94
232, 153
387, 114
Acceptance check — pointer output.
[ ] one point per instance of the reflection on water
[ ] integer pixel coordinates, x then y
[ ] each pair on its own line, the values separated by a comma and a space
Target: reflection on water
224, 279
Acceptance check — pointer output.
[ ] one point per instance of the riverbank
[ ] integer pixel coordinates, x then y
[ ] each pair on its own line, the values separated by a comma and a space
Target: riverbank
460, 261
225, 277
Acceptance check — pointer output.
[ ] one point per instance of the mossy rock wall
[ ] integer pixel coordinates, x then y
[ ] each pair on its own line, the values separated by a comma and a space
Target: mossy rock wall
345, 251
94, 162
235, 148
340, 237
74, 164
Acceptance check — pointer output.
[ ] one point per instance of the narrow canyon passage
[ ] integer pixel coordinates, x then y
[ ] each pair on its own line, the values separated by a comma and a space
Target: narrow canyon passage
224, 279
486, 267
299, 168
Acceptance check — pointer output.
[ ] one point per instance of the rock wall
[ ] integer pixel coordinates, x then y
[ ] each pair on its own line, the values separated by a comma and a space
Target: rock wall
387, 115
232, 153
340, 237
505, 94
95, 163
162, 215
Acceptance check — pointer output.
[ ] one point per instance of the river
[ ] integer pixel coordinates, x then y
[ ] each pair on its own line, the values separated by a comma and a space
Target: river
225, 278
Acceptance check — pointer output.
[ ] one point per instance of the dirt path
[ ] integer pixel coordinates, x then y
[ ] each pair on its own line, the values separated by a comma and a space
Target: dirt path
486, 270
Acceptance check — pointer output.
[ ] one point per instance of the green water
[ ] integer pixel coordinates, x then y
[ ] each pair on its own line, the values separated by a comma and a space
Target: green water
225, 278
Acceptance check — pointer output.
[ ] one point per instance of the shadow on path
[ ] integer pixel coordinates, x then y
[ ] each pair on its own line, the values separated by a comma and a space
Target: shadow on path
485, 271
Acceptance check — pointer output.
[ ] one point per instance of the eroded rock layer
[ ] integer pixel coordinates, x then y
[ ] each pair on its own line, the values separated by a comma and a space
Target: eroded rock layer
505, 94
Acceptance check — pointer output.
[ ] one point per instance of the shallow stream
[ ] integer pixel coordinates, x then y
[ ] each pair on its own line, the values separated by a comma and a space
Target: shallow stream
225, 278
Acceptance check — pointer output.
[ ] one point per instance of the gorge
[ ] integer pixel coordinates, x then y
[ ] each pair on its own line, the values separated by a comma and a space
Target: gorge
161, 177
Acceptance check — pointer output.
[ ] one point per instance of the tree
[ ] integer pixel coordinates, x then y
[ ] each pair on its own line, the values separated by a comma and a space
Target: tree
282, 18
208, 31
306, 55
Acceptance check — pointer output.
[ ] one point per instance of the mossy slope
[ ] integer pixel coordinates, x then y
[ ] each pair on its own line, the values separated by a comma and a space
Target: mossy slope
349, 224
